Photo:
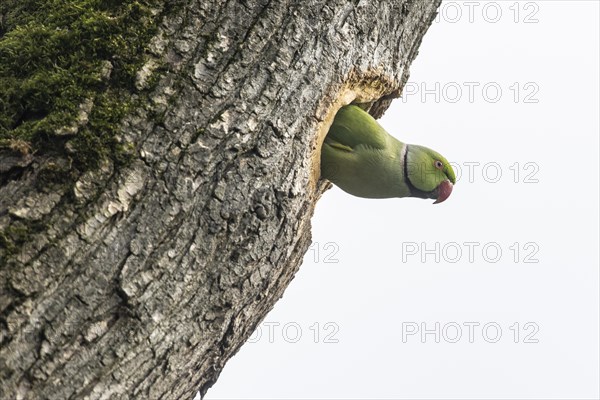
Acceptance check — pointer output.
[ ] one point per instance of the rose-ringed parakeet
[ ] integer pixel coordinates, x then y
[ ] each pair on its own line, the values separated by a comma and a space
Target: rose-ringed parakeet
360, 157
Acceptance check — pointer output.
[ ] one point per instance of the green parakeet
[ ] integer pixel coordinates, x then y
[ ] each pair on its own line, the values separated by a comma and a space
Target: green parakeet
360, 157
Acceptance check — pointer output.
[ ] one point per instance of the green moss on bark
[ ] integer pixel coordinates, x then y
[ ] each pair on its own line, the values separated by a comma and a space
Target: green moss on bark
53, 58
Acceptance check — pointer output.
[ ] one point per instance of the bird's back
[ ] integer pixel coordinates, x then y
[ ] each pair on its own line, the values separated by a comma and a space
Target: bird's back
360, 157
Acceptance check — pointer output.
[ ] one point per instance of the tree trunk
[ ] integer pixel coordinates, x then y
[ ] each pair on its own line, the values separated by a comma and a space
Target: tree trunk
142, 279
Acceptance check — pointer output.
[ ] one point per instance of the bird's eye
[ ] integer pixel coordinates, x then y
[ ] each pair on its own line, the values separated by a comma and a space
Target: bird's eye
438, 164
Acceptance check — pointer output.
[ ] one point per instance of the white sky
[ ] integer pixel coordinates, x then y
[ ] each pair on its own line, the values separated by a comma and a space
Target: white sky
369, 308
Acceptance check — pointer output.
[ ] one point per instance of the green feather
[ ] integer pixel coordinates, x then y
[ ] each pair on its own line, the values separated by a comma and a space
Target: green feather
353, 127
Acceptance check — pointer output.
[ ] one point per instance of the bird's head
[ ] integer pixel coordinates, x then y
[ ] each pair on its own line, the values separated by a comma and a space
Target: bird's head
428, 173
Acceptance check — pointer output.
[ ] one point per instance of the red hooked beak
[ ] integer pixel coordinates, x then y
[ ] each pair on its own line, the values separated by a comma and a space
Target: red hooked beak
444, 191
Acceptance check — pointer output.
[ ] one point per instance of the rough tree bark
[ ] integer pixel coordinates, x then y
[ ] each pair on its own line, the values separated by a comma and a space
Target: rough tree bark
142, 280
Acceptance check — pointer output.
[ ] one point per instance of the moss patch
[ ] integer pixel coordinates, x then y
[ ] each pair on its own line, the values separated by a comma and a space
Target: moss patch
54, 56
16, 235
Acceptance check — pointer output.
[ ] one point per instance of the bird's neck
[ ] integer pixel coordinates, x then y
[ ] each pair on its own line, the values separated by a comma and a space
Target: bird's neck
397, 179
403, 187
